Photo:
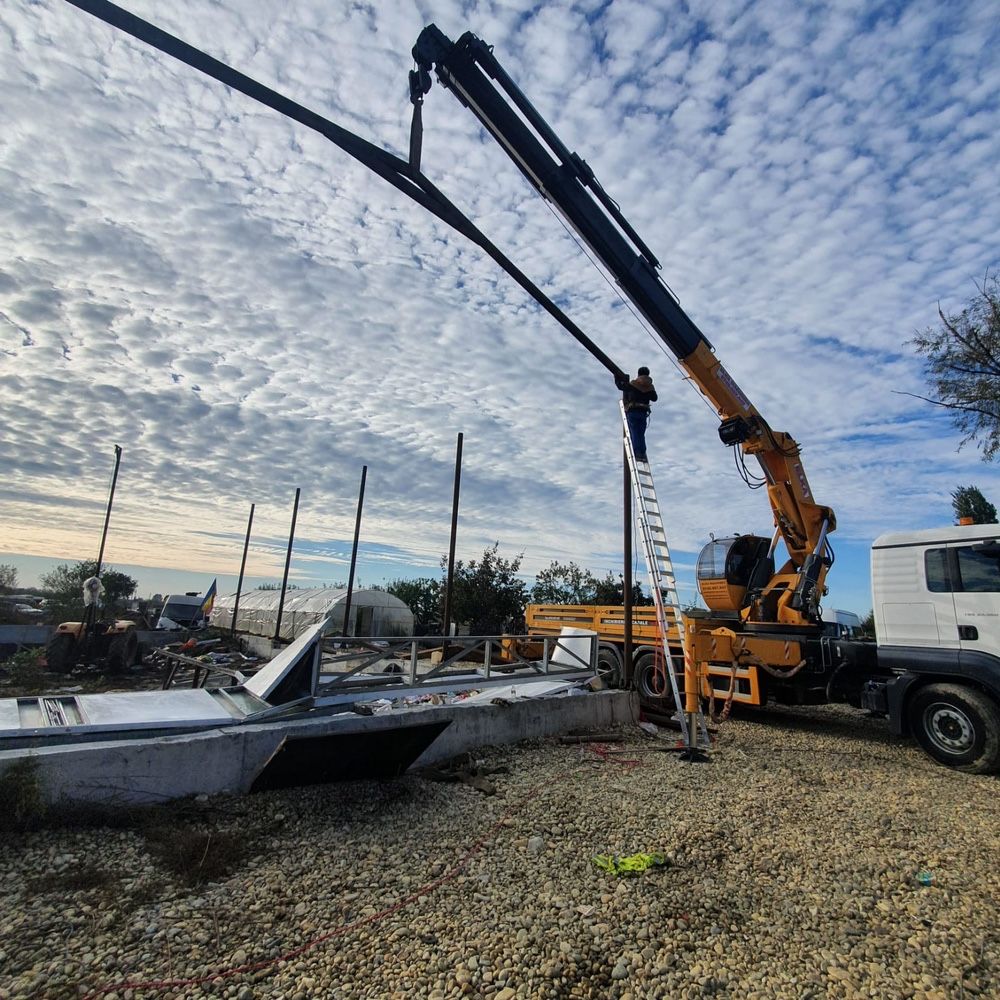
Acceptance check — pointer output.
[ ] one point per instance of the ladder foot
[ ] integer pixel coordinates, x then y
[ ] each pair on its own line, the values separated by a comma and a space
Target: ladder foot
692, 755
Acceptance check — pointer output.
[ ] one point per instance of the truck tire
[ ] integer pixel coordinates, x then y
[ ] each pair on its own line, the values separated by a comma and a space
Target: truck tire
958, 726
609, 665
60, 653
123, 652
650, 683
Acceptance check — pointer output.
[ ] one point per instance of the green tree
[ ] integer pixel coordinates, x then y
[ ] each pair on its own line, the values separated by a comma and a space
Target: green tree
962, 365
609, 590
563, 584
64, 588
8, 577
423, 597
487, 594
968, 501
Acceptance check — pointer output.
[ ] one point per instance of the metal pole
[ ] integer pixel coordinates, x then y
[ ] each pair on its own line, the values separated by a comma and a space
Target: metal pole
243, 566
627, 576
446, 626
107, 513
288, 562
354, 550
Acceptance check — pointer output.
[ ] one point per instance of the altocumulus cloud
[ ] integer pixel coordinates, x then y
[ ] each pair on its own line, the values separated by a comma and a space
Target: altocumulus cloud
246, 310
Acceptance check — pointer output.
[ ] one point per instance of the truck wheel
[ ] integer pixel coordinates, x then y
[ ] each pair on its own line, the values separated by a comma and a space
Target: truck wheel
123, 652
652, 684
609, 665
60, 653
957, 726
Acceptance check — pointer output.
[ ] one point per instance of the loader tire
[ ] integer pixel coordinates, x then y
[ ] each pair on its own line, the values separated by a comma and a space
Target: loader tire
123, 652
958, 726
60, 653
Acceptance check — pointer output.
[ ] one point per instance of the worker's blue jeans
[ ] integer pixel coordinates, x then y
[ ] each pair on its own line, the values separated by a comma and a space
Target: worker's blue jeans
637, 420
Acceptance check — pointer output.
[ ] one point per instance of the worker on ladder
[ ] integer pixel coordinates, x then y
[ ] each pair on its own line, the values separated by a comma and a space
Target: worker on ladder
637, 395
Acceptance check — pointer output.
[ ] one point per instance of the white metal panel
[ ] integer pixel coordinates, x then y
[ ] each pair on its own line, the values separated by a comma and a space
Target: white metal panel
148, 709
10, 718
525, 689
573, 648
266, 680
912, 624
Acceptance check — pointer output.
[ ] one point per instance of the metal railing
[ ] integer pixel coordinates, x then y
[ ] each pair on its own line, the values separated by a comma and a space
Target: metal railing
376, 664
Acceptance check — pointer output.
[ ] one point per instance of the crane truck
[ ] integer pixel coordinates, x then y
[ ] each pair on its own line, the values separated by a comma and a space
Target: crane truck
935, 667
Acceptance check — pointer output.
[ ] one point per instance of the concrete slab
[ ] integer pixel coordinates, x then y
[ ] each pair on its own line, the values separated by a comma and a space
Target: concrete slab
230, 760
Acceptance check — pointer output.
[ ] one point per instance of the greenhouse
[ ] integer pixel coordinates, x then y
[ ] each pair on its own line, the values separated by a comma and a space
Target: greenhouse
373, 612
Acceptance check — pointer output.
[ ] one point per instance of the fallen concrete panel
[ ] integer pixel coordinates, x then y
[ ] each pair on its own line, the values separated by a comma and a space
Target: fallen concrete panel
529, 718
143, 771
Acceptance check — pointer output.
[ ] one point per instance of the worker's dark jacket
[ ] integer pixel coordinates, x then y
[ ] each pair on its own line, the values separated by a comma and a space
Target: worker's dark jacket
638, 393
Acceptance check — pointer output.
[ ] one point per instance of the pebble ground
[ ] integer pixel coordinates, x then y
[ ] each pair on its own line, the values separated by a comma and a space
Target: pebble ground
795, 858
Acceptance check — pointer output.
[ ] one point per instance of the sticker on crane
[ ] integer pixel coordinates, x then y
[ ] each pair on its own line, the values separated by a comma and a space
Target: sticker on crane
727, 380
803, 482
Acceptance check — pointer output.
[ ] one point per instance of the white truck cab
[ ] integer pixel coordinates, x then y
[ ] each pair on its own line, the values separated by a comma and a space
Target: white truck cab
938, 588
936, 598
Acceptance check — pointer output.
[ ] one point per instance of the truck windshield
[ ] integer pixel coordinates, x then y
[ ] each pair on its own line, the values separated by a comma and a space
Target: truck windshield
181, 612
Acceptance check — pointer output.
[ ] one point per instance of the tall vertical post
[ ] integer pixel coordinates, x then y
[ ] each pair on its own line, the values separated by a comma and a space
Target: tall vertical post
107, 513
288, 562
354, 551
446, 626
627, 576
243, 566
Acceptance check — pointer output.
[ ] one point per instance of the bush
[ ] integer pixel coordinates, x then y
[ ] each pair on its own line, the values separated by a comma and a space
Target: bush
24, 669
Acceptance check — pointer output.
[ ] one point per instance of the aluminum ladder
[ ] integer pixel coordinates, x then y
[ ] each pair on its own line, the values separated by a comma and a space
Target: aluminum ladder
662, 579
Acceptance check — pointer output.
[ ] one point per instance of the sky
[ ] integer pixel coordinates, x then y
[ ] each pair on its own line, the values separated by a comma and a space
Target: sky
246, 310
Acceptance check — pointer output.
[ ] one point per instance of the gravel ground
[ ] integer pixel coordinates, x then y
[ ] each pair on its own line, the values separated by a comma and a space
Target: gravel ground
793, 872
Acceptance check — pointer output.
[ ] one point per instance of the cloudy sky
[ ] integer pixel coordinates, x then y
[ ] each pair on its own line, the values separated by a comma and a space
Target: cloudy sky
246, 310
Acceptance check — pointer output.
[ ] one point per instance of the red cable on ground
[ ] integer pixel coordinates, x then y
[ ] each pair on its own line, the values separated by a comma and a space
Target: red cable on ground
165, 984
604, 752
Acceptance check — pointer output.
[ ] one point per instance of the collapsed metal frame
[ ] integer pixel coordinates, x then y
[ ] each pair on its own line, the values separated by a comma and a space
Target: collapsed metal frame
512, 669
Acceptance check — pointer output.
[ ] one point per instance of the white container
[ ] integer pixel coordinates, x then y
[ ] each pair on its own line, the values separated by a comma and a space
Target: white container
573, 648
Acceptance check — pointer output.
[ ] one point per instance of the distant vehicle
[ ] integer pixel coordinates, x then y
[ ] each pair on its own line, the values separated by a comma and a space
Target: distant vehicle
842, 624
27, 609
182, 611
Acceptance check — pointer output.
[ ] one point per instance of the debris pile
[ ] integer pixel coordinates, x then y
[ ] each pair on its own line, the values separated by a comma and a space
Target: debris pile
195, 661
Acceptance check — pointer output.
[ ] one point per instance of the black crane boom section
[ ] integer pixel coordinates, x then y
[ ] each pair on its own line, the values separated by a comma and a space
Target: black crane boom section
402, 174
469, 68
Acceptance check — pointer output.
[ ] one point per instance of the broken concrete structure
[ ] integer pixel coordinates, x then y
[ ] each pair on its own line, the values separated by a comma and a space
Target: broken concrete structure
291, 724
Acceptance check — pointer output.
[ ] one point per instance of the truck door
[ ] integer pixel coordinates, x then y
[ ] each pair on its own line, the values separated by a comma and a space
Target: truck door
912, 587
976, 569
